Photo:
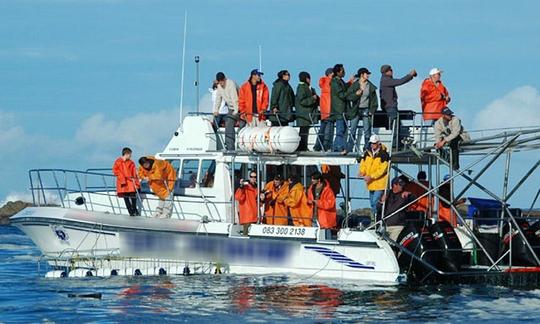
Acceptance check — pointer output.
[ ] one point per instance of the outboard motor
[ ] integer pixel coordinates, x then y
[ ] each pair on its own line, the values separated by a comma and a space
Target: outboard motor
419, 241
521, 255
446, 239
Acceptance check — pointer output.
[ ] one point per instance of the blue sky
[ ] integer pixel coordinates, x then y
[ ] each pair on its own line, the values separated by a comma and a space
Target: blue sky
81, 79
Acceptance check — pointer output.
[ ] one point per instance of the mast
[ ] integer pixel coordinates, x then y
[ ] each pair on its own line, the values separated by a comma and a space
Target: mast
183, 69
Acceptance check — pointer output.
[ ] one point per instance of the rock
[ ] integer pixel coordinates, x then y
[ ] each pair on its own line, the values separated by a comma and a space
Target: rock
11, 208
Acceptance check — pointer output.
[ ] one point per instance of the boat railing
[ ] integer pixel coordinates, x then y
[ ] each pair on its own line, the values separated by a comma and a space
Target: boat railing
94, 190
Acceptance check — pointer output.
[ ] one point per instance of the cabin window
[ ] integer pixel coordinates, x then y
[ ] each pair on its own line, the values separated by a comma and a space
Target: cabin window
208, 172
175, 164
188, 178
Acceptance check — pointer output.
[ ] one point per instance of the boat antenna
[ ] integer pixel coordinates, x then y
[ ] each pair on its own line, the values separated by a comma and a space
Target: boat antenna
183, 68
260, 58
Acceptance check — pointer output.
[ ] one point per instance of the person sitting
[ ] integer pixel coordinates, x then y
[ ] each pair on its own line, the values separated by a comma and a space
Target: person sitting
395, 199
127, 182
273, 195
449, 132
161, 177
296, 200
322, 200
246, 195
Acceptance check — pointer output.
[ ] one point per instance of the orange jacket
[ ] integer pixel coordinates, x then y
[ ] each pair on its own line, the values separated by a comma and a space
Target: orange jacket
446, 214
247, 204
417, 191
161, 177
126, 176
274, 209
433, 98
245, 101
325, 206
296, 200
333, 174
324, 104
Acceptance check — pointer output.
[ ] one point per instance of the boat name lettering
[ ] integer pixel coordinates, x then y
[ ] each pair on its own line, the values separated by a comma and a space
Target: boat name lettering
299, 231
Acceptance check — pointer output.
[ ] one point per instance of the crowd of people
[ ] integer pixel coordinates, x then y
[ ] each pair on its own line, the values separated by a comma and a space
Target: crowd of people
339, 109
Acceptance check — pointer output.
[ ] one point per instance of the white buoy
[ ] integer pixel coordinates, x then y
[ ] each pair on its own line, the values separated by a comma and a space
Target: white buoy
265, 139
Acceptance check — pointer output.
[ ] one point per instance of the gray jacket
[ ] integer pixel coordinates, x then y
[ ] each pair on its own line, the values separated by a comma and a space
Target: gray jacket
229, 94
388, 92
449, 131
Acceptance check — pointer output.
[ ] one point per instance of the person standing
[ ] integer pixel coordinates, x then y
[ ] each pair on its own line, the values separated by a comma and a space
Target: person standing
338, 104
306, 107
322, 200
325, 135
433, 96
296, 200
449, 132
227, 91
161, 177
127, 182
273, 195
393, 201
389, 97
374, 170
363, 95
246, 195
281, 100
253, 100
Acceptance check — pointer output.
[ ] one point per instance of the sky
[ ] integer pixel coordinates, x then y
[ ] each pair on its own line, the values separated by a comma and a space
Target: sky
80, 79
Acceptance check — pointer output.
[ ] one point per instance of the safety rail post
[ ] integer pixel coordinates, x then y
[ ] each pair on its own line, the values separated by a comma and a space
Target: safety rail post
59, 191
317, 138
258, 169
32, 188
42, 190
66, 186
233, 199
108, 195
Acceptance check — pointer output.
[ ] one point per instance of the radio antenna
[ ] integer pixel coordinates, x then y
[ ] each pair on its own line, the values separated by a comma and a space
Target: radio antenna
183, 69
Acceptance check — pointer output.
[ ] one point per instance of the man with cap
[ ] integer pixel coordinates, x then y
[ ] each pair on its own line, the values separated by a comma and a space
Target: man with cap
326, 130
227, 91
253, 100
306, 103
363, 95
374, 170
449, 132
389, 97
433, 96
395, 199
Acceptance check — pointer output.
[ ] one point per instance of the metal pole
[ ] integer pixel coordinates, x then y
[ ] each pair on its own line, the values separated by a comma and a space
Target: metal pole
347, 193
183, 69
197, 83
520, 182
259, 218
438, 184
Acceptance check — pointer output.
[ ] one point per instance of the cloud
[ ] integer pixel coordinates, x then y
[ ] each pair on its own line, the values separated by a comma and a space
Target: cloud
145, 133
518, 108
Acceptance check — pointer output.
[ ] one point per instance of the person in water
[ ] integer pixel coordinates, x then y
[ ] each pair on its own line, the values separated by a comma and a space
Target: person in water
127, 182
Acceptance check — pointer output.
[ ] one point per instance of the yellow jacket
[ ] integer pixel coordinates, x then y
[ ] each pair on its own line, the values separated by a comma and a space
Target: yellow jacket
376, 167
161, 177
296, 200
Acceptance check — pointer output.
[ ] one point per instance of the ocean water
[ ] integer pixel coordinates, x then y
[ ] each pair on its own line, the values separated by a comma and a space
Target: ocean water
26, 296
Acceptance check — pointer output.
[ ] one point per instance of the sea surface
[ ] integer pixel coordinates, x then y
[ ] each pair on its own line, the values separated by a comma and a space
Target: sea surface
26, 296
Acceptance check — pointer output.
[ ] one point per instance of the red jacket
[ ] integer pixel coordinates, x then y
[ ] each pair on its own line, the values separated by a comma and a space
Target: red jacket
324, 84
126, 176
247, 204
433, 98
245, 101
326, 206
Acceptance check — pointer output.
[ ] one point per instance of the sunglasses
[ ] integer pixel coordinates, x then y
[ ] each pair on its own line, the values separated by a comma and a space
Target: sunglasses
253, 177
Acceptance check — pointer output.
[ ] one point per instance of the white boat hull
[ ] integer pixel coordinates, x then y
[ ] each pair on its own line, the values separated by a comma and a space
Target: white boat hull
102, 242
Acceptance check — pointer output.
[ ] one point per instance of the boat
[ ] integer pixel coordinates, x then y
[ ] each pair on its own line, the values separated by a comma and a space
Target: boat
89, 232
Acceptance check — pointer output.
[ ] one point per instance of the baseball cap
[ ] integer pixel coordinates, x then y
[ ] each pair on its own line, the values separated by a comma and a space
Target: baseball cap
446, 177
256, 72
398, 180
434, 71
363, 70
447, 111
374, 138
385, 68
